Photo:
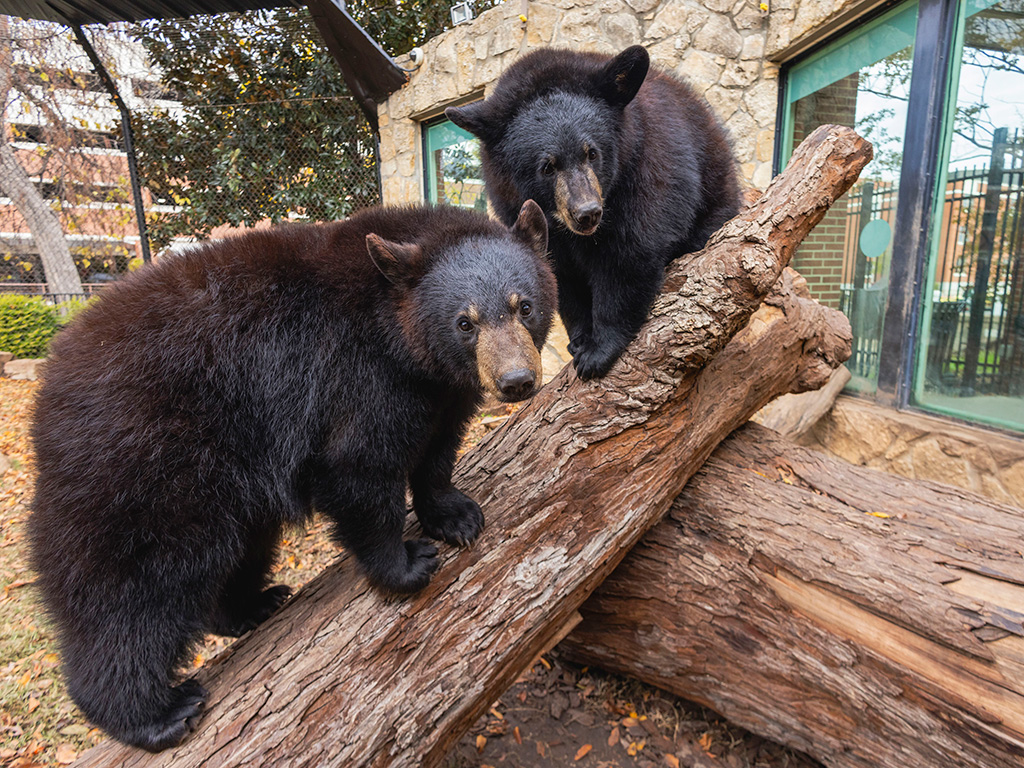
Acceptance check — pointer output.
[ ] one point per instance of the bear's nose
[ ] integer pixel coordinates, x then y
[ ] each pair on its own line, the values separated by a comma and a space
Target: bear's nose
588, 215
517, 384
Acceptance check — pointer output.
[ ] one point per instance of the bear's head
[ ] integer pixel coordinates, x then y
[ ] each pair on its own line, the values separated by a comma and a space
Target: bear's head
551, 131
476, 312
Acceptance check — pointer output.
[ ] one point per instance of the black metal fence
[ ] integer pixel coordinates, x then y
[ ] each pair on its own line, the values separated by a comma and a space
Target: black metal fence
977, 338
865, 284
975, 342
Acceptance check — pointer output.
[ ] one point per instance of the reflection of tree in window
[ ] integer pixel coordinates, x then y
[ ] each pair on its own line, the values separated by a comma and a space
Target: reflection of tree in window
461, 174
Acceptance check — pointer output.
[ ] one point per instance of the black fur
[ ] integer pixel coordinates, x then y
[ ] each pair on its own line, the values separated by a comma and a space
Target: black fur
666, 180
210, 399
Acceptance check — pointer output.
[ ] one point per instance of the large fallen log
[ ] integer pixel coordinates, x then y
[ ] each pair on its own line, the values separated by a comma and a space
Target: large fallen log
342, 676
867, 620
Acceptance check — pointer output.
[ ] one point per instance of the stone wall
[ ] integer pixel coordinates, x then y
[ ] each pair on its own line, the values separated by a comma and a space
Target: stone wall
729, 50
924, 448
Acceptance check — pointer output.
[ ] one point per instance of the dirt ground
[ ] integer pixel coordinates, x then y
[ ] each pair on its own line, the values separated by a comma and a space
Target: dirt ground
556, 714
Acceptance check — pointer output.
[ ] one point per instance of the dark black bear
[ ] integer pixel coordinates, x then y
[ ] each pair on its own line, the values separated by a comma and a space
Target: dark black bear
631, 168
208, 400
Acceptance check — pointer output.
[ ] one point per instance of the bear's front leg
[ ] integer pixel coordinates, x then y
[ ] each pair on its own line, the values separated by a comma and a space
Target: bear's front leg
619, 308
445, 513
367, 506
574, 307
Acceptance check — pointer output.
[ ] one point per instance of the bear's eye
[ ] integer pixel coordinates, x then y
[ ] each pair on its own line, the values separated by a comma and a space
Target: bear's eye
525, 308
591, 154
465, 324
548, 168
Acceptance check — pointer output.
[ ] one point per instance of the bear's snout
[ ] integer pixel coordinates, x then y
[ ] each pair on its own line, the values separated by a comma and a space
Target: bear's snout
517, 384
587, 216
578, 200
507, 361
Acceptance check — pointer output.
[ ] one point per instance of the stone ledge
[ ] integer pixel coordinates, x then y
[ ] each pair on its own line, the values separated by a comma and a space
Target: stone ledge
923, 447
27, 369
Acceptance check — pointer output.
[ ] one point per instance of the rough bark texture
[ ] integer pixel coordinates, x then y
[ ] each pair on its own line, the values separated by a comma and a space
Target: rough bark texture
865, 619
342, 676
61, 275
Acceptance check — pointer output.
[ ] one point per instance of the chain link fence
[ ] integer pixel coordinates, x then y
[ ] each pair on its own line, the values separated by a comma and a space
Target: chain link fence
240, 121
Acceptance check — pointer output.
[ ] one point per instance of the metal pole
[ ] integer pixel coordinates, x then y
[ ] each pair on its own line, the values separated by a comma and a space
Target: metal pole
126, 127
982, 271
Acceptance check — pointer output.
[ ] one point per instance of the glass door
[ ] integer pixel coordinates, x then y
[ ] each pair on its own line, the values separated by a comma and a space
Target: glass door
862, 81
970, 353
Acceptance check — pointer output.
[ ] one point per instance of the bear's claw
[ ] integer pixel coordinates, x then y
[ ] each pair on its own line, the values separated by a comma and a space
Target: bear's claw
180, 720
452, 517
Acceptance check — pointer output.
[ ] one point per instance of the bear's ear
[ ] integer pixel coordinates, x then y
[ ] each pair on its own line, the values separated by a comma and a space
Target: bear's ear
400, 263
622, 77
472, 117
531, 228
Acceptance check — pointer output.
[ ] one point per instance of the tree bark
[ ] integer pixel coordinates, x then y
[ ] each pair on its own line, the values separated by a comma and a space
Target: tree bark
865, 619
344, 676
42, 221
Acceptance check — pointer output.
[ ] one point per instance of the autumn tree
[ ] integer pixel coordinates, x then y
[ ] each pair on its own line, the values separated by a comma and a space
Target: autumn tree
266, 126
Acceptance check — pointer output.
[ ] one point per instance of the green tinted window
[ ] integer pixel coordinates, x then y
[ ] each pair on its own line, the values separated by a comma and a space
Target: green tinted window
452, 166
861, 81
970, 356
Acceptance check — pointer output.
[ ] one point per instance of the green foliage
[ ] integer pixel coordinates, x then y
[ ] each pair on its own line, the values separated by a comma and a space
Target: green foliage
267, 126
27, 323
69, 310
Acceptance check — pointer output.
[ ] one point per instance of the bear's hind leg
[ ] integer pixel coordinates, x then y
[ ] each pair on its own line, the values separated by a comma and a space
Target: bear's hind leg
245, 601
120, 670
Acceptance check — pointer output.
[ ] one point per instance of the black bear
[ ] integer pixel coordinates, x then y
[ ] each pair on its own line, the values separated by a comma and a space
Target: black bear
631, 168
217, 395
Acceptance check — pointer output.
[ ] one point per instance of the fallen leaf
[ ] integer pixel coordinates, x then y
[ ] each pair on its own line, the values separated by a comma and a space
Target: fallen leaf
614, 738
33, 704
582, 752
705, 741
518, 737
672, 761
75, 730
481, 742
631, 749
497, 714
66, 754
541, 749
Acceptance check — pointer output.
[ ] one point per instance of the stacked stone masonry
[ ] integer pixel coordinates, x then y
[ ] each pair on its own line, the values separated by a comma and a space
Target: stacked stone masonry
923, 447
729, 50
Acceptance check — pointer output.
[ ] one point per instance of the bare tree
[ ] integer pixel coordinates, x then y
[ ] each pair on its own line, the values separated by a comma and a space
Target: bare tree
42, 220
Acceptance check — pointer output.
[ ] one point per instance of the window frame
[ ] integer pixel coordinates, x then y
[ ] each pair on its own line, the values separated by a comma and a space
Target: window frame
425, 126
920, 179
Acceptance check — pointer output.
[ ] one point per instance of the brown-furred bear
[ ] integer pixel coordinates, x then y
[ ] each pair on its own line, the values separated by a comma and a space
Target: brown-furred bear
209, 399
631, 167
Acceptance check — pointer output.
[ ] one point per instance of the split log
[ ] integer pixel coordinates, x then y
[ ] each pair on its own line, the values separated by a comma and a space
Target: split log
342, 676
793, 416
868, 620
